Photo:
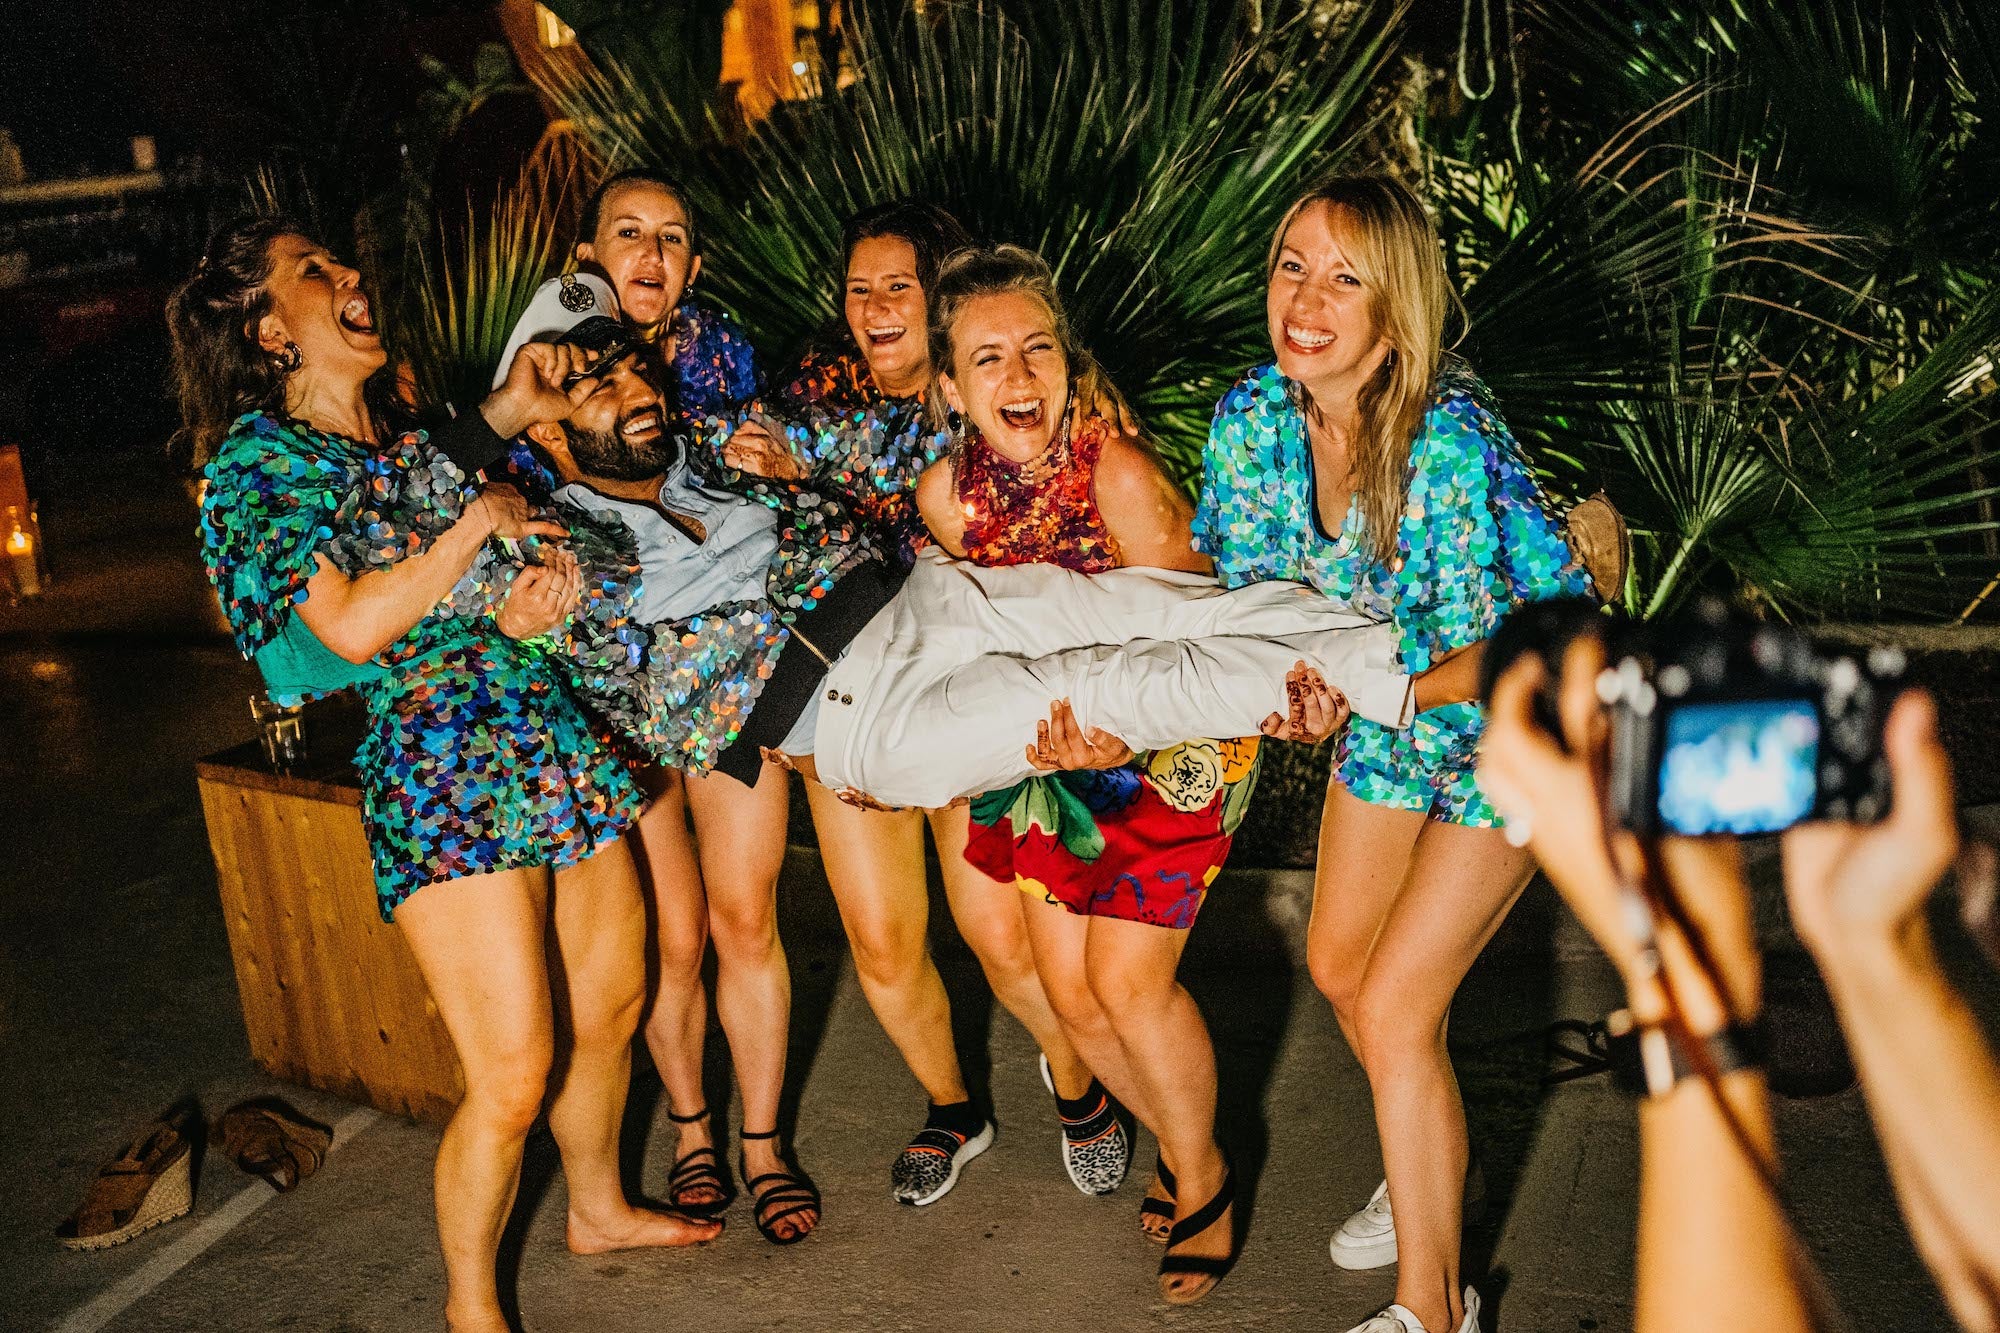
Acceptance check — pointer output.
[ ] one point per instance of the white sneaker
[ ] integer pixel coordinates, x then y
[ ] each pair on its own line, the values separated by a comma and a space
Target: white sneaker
1367, 1239
1396, 1319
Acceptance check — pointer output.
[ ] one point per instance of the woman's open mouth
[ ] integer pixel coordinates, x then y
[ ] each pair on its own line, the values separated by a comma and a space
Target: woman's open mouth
1024, 415
1307, 341
882, 337
355, 316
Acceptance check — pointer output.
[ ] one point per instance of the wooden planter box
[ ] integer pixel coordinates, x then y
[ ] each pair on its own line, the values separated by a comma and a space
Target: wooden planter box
331, 994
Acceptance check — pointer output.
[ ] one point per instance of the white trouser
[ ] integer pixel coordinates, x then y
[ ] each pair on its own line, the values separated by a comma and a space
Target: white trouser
939, 694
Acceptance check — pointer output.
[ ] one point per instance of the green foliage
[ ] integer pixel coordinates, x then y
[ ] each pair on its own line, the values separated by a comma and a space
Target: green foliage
1146, 150
1731, 260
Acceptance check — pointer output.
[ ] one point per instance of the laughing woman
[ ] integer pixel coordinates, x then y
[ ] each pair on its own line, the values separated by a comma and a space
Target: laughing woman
711, 846
852, 415
493, 810
1114, 853
1369, 463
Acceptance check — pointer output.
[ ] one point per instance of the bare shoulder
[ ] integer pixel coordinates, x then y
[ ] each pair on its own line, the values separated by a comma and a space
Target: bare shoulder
1131, 480
1147, 514
935, 503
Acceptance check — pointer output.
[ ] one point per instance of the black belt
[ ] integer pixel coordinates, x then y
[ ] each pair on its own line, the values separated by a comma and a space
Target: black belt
818, 637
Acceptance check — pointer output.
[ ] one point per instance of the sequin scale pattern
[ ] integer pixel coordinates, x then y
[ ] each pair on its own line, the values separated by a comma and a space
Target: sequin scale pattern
679, 691
475, 758
1476, 536
855, 440
1012, 520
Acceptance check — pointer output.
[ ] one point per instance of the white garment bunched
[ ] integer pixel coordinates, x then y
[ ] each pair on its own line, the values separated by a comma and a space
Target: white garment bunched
939, 694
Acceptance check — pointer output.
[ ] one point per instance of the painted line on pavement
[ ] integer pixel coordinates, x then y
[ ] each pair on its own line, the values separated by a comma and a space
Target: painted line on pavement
140, 1282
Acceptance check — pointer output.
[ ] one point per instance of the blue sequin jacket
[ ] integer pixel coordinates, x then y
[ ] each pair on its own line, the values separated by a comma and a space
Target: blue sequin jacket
1476, 534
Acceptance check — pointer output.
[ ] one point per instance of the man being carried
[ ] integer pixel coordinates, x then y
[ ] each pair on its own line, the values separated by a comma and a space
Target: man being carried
913, 690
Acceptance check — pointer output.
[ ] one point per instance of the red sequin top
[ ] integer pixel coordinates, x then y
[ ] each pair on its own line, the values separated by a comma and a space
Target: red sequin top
1011, 519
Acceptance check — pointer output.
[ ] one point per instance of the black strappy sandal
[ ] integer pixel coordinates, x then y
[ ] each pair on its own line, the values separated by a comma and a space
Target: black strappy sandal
1204, 1217
1152, 1207
694, 1169
794, 1194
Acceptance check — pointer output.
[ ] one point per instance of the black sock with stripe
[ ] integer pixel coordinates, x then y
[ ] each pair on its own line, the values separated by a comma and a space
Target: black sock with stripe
960, 1118
1087, 1117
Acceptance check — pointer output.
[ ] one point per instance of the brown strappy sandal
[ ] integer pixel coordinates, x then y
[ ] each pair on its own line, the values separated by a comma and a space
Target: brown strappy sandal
272, 1141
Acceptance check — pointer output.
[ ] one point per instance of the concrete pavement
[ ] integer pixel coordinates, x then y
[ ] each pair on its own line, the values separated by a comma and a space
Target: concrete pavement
117, 998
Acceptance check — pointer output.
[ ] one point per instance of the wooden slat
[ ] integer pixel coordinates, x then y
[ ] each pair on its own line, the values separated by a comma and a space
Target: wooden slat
331, 995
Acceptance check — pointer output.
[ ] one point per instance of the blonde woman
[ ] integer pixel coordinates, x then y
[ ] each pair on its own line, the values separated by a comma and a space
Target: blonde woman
1367, 462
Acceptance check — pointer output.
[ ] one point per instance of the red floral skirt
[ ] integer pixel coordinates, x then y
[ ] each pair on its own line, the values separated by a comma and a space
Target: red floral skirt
1139, 843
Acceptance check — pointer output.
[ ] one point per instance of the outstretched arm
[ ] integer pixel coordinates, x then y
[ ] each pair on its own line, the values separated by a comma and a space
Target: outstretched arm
1715, 1250
1858, 897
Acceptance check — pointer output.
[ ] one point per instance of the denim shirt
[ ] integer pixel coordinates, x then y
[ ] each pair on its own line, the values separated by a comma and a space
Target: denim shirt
683, 577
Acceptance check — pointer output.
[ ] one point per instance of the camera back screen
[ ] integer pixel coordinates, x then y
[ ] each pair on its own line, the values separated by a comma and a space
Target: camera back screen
1747, 767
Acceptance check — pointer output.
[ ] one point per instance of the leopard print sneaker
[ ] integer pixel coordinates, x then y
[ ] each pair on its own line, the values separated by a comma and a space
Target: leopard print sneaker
926, 1170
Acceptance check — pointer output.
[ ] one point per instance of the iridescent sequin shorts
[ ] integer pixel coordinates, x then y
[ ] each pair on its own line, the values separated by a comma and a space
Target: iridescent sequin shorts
1428, 768
477, 759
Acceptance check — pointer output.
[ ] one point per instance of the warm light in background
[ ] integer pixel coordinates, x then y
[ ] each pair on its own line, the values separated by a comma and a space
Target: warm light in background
553, 31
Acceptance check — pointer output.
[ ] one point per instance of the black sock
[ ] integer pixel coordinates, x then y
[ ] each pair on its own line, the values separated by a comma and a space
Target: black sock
1085, 1117
961, 1118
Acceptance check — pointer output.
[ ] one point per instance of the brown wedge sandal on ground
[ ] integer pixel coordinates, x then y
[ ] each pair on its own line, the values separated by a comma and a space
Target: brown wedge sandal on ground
1599, 539
271, 1140
150, 1183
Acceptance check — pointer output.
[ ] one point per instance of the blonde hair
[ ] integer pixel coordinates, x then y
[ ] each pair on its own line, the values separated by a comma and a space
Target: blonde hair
976, 271
1394, 249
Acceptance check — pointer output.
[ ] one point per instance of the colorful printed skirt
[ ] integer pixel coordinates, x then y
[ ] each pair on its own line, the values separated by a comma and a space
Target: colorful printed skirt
478, 759
1138, 843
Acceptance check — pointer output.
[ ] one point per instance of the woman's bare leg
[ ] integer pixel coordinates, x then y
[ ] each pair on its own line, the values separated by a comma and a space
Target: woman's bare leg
479, 942
599, 943
1391, 976
1059, 939
740, 839
1132, 970
874, 863
992, 918
677, 1024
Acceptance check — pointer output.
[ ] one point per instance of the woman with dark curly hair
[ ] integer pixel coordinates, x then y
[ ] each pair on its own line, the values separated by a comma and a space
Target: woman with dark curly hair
494, 811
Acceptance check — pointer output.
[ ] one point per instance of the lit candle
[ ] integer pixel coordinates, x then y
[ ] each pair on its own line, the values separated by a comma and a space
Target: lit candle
23, 563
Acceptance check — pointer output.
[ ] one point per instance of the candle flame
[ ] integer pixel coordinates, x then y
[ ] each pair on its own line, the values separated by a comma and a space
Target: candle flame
19, 542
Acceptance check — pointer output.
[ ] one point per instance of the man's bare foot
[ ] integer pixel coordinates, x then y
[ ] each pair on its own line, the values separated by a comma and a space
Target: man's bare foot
489, 1320
636, 1229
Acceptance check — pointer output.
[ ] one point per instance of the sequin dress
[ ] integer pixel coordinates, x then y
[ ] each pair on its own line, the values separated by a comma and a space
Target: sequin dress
1476, 537
714, 365
475, 757
864, 445
1141, 842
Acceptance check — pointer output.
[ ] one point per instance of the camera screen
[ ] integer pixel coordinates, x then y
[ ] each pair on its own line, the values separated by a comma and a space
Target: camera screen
1739, 767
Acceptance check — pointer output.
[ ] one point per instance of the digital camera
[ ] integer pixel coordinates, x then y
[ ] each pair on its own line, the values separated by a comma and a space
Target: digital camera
1720, 723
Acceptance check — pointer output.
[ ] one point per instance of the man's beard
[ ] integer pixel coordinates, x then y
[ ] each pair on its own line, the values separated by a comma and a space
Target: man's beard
609, 454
